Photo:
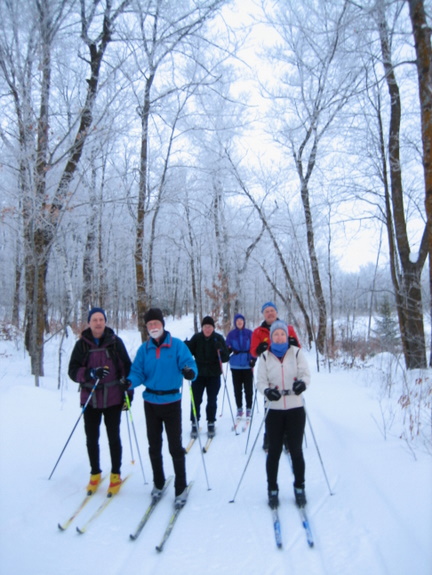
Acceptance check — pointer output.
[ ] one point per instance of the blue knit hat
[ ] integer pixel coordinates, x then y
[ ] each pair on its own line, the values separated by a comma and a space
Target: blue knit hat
278, 324
96, 310
268, 304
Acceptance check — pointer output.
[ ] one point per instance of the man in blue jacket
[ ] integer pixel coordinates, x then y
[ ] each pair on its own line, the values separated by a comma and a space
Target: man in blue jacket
160, 365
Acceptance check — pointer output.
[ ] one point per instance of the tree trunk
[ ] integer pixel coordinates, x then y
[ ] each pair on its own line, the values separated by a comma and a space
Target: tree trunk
142, 300
422, 37
407, 288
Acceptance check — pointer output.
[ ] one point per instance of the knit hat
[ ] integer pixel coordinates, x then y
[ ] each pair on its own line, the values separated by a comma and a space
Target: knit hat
239, 316
268, 304
208, 320
96, 310
278, 324
154, 313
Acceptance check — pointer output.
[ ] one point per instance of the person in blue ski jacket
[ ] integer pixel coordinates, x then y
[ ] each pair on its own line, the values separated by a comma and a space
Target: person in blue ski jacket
238, 342
160, 365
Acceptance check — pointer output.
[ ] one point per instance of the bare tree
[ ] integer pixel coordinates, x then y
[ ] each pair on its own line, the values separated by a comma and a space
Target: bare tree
314, 86
407, 282
285, 268
164, 28
422, 38
42, 209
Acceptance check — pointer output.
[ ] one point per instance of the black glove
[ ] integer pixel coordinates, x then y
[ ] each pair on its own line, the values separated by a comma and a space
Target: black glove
272, 394
252, 361
299, 386
97, 372
261, 348
188, 373
125, 384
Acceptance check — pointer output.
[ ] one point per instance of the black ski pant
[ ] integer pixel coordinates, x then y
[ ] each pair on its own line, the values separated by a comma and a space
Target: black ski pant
243, 379
169, 415
211, 384
92, 421
285, 425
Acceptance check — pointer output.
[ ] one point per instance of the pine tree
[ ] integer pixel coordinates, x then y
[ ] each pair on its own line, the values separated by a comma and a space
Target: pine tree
387, 329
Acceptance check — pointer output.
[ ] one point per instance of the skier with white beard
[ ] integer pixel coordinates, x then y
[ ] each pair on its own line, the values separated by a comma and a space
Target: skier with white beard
160, 365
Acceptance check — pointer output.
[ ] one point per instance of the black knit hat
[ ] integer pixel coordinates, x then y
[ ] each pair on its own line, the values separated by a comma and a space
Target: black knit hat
154, 313
207, 320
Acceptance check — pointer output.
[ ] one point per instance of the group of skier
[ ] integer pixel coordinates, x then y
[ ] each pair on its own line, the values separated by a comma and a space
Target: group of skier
107, 377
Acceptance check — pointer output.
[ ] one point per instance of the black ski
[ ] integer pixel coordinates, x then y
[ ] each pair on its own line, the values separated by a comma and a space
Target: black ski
171, 523
149, 511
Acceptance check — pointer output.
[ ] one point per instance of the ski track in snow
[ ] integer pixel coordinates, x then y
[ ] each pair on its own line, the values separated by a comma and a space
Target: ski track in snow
378, 520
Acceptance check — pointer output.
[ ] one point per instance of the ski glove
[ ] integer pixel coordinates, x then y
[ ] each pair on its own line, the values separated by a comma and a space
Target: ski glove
252, 362
125, 385
299, 386
272, 394
97, 372
188, 373
261, 348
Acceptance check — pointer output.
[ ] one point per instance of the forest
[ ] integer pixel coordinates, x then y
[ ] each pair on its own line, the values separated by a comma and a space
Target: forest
206, 156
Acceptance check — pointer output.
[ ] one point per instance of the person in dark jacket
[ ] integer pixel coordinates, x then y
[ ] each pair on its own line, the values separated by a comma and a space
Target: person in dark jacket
210, 351
100, 356
238, 341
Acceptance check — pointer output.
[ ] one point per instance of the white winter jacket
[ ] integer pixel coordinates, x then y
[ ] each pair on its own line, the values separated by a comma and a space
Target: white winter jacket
272, 372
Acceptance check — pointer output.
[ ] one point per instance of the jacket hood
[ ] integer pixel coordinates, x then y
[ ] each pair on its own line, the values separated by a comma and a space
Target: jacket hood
236, 317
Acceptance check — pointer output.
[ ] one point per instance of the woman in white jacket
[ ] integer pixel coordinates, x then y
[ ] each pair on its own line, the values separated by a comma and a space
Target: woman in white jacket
283, 375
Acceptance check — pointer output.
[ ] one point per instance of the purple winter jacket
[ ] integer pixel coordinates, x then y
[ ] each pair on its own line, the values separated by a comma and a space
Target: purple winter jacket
87, 354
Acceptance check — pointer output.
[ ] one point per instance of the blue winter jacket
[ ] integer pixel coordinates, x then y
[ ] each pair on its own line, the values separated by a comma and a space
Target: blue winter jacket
239, 340
159, 369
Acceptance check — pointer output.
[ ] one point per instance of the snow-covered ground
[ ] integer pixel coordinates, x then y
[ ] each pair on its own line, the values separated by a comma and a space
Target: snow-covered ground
377, 521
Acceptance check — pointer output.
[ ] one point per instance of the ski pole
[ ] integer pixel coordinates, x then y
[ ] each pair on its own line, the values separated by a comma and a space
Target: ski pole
318, 451
225, 391
135, 435
75, 426
250, 455
227, 394
251, 421
194, 412
130, 440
